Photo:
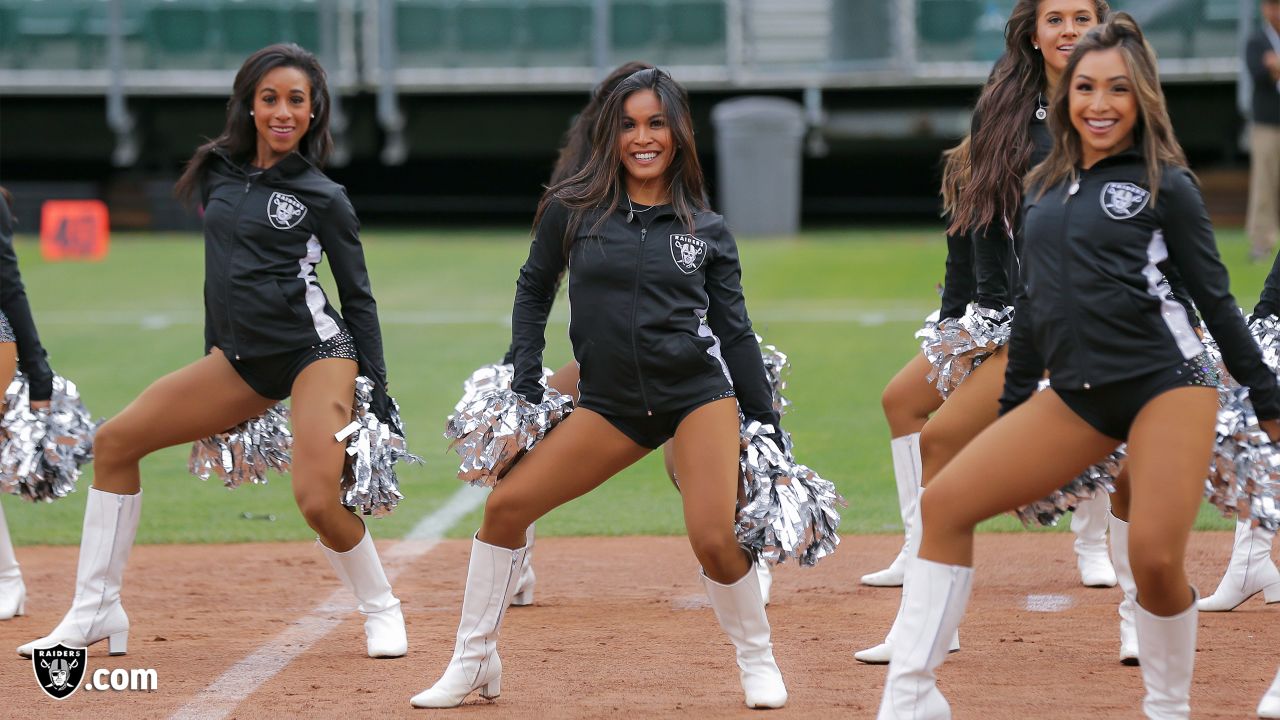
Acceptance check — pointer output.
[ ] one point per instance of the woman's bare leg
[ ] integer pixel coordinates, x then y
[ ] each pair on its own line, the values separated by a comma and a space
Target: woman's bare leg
575, 458
1034, 450
321, 406
968, 411
909, 398
706, 449
199, 400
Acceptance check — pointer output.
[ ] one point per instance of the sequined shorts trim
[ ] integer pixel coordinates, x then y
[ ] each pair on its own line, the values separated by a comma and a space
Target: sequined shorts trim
6, 330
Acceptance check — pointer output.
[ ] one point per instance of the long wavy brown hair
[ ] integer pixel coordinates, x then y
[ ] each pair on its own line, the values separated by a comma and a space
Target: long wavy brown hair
239, 137
1153, 133
577, 141
1001, 145
600, 185
956, 166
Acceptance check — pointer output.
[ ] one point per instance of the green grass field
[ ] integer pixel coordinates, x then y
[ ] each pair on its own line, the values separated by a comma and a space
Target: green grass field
842, 304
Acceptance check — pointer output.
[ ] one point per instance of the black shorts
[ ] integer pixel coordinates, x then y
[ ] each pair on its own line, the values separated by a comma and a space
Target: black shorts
1111, 408
653, 431
272, 376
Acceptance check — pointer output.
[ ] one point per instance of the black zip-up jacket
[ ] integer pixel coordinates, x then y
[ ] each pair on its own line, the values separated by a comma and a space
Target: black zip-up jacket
32, 360
1265, 109
1269, 300
265, 232
959, 285
1092, 309
658, 321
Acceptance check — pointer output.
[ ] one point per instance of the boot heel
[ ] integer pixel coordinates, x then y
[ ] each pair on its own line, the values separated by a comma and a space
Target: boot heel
118, 644
522, 599
492, 690
1271, 593
22, 607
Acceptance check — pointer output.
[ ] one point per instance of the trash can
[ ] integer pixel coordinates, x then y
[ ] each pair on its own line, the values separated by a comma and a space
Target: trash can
758, 151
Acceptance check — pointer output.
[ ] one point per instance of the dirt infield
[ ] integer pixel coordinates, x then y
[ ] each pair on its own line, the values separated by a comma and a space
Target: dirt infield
621, 627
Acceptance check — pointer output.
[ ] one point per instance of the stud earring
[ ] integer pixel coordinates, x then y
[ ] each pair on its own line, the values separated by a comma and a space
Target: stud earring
313, 116
1035, 45
250, 113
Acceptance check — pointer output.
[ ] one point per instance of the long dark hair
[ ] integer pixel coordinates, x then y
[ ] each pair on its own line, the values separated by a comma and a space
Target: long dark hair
239, 137
576, 147
1153, 131
600, 185
1001, 147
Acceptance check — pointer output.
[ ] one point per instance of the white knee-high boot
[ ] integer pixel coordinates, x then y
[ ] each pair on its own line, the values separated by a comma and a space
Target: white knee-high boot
1089, 523
110, 524
740, 609
524, 587
1250, 571
491, 580
906, 473
13, 593
1129, 588
882, 653
1269, 706
932, 614
1168, 659
361, 571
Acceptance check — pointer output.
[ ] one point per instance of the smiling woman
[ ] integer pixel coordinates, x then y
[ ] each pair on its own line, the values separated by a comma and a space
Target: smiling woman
270, 215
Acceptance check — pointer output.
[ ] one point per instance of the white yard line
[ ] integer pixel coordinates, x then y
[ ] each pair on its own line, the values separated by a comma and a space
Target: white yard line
223, 695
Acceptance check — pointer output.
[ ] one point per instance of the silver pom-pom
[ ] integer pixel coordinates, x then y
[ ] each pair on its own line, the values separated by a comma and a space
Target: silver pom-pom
244, 454
1244, 476
955, 346
495, 431
41, 451
490, 379
787, 509
1266, 332
776, 368
369, 482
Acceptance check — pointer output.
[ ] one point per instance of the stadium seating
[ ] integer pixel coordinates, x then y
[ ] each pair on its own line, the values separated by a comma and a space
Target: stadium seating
697, 31
559, 32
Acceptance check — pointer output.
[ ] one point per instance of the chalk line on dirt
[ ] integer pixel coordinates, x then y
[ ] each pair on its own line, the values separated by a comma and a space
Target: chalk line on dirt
223, 695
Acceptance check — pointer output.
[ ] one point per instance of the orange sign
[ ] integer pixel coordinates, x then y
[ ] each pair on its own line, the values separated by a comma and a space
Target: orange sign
74, 230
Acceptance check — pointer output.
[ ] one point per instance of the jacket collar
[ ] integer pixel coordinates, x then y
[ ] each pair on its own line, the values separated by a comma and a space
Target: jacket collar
1132, 155
290, 165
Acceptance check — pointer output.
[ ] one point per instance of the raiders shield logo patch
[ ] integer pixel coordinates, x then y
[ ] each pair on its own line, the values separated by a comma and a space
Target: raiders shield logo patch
285, 211
1122, 200
59, 669
688, 252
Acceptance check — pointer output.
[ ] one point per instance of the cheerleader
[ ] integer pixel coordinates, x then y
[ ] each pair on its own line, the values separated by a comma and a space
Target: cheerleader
666, 350
270, 333
909, 398
1251, 569
573, 155
20, 348
1008, 137
1113, 203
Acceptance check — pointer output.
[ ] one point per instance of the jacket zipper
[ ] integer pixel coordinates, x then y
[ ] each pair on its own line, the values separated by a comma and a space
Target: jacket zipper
1068, 258
635, 300
235, 345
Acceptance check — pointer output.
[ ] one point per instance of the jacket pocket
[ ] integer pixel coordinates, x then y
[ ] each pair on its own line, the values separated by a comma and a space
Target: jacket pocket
294, 296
